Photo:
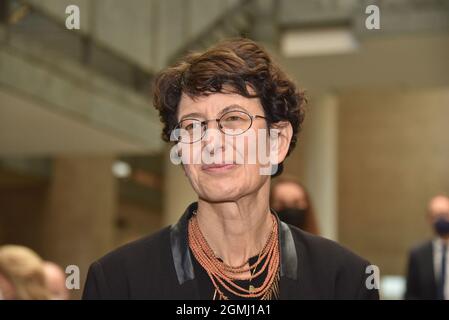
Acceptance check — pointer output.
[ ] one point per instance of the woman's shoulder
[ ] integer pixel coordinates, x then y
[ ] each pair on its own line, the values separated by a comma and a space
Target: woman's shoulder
339, 272
320, 249
127, 270
143, 248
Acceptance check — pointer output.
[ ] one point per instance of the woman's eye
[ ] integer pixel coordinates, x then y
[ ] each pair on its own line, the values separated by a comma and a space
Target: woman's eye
191, 126
233, 118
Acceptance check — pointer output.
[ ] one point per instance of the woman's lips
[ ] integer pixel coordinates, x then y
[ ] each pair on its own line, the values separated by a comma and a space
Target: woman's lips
217, 167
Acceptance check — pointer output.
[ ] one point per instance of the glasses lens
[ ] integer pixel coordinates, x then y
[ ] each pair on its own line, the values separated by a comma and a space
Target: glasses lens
235, 122
189, 130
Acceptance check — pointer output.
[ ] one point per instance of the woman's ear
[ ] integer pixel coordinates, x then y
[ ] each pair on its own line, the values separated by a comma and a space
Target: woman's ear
280, 136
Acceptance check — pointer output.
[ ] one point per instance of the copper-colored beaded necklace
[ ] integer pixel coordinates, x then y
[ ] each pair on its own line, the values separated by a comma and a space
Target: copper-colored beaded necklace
226, 275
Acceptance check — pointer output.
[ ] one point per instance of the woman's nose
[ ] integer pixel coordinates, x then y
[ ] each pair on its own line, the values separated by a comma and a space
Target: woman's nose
211, 130
213, 138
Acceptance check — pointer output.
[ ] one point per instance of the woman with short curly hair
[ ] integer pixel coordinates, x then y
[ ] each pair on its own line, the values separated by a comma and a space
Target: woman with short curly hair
233, 117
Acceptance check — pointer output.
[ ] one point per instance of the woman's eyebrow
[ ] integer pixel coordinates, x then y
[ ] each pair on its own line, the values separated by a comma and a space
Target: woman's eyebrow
232, 107
224, 110
192, 115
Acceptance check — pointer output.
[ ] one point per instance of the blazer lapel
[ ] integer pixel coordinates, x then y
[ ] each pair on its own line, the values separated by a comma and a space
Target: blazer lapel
430, 269
182, 258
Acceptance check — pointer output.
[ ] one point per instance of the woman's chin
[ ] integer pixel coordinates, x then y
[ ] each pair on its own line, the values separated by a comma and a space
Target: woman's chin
221, 194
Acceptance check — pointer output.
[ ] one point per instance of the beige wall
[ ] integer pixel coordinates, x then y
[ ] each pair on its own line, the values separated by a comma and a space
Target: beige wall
178, 192
78, 225
314, 160
393, 155
136, 221
21, 210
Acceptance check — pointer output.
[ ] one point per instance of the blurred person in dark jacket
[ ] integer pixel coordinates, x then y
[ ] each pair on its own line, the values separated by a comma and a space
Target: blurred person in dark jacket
428, 272
292, 202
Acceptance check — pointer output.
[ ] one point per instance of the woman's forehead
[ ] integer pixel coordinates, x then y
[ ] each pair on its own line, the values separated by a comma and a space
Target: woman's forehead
216, 103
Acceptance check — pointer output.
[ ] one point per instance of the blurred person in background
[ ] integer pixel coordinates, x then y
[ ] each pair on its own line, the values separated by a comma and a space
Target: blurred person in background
428, 272
22, 274
292, 202
55, 280
7, 291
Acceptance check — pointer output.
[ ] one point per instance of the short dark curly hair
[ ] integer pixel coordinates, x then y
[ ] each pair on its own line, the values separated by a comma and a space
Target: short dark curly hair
230, 66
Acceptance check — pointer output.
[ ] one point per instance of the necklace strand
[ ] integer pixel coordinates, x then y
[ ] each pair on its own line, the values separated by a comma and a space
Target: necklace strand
224, 276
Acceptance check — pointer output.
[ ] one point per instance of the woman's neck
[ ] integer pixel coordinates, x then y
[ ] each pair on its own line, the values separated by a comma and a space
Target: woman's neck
236, 230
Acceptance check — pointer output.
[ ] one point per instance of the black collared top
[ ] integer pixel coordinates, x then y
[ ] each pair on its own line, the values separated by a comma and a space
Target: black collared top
161, 266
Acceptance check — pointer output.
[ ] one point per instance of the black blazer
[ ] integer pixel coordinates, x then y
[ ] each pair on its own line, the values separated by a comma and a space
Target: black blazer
160, 267
421, 282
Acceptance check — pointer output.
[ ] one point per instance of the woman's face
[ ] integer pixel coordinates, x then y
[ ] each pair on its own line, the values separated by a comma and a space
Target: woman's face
235, 170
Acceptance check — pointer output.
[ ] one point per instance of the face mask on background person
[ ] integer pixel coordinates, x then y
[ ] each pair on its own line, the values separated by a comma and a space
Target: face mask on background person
441, 227
294, 216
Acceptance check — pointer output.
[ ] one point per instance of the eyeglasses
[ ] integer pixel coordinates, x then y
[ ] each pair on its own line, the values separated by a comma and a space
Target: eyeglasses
231, 123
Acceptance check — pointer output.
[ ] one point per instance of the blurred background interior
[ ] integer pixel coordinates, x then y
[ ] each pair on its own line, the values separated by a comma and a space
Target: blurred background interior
82, 166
